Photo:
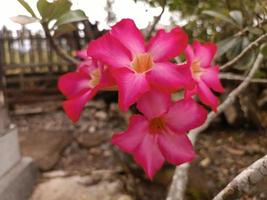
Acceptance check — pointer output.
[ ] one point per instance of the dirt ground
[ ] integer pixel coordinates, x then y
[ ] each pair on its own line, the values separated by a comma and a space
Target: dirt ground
81, 155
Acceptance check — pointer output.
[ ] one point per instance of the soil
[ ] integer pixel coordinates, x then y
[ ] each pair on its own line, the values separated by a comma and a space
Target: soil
86, 151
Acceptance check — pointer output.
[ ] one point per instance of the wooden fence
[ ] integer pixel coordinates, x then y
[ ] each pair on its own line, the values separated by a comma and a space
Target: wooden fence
29, 65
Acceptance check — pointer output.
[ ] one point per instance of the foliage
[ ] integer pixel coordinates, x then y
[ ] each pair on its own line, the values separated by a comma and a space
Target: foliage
57, 13
231, 24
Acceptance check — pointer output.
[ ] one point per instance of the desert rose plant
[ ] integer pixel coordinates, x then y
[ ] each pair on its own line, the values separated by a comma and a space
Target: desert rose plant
145, 74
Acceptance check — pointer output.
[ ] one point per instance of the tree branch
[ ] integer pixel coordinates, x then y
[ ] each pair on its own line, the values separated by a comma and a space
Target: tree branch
252, 45
177, 187
234, 77
245, 180
156, 21
57, 48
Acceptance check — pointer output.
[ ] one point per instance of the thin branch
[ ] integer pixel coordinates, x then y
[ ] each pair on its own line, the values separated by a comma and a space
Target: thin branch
234, 77
57, 48
252, 45
177, 187
156, 21
245, 180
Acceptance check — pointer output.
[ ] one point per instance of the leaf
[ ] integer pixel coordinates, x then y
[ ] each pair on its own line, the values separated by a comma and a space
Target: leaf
23, 19
54, 10
235, 50
226, 44
246, 61
237, 16
256, 30
263, 49
71, 16
220, 16
27, 7
65, 28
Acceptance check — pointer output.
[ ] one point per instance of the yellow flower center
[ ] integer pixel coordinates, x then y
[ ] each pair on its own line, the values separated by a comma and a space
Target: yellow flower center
196, 69
157, 124
95, 77
142, 62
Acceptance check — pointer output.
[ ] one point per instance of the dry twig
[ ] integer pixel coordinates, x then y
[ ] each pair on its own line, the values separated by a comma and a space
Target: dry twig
234, 77
245, 180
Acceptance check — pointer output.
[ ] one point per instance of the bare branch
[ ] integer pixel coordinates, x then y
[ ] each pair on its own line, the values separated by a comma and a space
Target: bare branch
234, 77
252, 45
156, 21
57, 48
245, 180
177, 188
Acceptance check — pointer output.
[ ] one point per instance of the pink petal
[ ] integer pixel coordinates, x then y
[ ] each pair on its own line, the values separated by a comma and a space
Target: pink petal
166, 45
189, 54
169, 77
110, 51
148, 155
82, 54
74, 83
176, 148
185, 115
129, 35
87, 66
189, 93
154, 103
107, 79
131, 86
133, 136
206, 95
73, 107
211, 77
205, 53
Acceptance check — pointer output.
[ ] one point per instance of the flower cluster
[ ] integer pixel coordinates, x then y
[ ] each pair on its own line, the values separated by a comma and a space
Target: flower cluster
144, 74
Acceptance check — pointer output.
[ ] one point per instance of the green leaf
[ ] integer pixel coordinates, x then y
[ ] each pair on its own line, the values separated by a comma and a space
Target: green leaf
23, 19
54, 10
237, 16
226, 44
71, 16
256, 30
246, 61
65, 28
235, 49
219, 16
263, 49
27, 7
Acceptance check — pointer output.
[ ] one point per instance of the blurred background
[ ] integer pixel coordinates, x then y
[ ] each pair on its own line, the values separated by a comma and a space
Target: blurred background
77, 161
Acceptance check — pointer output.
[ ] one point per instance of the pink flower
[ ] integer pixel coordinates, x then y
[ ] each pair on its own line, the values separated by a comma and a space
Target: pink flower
137, 66
206, 75
82, 54
82, 85
160, 134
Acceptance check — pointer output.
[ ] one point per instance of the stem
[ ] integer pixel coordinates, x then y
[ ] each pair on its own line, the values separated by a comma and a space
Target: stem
234, 77
156, 21
57, 48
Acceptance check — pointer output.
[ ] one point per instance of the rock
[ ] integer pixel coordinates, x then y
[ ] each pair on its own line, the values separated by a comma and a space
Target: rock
205, 162
125, 197
44, 146
101, 115
79, 188
88, 139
